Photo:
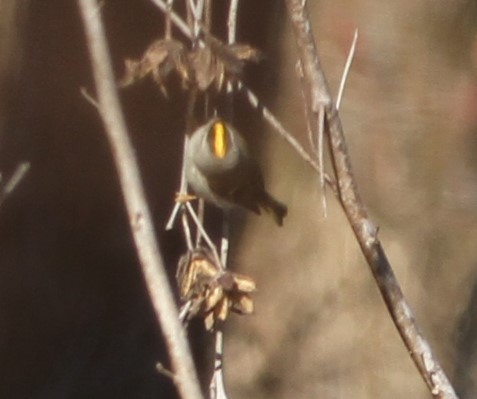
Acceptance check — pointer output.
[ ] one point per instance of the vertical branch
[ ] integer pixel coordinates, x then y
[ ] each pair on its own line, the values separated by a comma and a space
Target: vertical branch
363, 228
232, 22
151, 260
168, 28
231, 38
217, 385
197, 11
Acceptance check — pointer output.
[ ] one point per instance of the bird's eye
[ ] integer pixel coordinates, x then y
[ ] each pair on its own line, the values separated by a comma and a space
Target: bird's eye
218, 139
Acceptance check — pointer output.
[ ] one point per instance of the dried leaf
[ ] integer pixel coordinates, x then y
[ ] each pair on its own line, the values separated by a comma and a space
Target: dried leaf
243, 304
204, 66
213, 297
161, 58
233, 56
222, 309
209, 321
210, 290
245, 52
244, 283
217, 62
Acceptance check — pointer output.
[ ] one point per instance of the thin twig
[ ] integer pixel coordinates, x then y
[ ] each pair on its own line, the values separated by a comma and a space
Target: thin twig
173, 216
231, 38
84, 92
165, 372
363, 228
315, 122
176, 20
349, 61
232, 21
187, 233
168, 27
197, 11
280, 129
149, 253
204, 234
14, 180
311, 139
184, 311
321, 161
217, 385
200, 215
182, 188
208, 15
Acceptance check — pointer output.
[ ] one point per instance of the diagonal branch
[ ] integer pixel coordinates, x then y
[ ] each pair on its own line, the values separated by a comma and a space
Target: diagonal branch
17, 176
363, 228
150, 257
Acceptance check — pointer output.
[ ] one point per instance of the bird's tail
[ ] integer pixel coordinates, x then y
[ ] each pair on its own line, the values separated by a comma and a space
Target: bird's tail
278, 210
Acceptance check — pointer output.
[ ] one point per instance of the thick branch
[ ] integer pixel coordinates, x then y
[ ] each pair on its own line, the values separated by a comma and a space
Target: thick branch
363, 228
151, 260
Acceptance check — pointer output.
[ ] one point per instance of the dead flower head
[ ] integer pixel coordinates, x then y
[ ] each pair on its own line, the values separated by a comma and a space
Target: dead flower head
161, 58
210, 291
206, 66
216, 62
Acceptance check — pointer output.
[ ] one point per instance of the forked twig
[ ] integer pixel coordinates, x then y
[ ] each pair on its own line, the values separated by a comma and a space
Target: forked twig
151, 260
204, 234
363, 228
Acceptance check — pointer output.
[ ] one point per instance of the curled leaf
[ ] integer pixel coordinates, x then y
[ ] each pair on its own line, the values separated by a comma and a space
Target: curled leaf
210, 291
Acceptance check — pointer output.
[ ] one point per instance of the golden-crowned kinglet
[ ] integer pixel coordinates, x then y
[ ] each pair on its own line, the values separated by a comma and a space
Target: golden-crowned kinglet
220, 170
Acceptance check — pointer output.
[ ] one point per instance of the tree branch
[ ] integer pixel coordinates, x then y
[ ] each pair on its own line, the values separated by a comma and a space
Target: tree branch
318, 95
151, 260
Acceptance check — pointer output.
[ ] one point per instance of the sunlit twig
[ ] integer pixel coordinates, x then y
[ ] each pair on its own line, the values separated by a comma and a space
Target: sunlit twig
349, 61
14, 181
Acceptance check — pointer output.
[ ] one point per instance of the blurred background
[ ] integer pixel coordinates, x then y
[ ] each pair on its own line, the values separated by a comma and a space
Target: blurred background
75, 320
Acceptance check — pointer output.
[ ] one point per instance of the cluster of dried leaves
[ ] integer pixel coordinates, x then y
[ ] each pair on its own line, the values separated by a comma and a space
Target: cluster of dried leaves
211, 292
206, 288
207, 65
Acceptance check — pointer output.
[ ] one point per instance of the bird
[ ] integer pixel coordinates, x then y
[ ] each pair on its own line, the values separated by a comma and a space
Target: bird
220, 169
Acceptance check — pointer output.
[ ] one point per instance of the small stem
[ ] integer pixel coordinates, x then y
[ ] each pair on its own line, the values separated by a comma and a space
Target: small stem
347, 68
232, 21
199, 225
168, 28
